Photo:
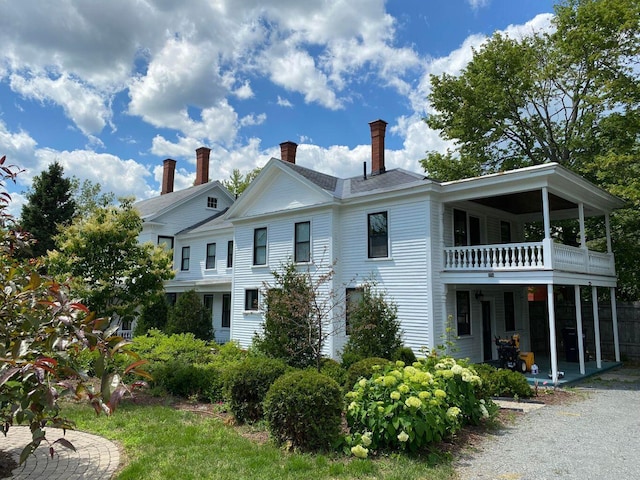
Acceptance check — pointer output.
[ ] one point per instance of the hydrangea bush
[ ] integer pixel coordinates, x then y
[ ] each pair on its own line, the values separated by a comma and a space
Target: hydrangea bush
408, 407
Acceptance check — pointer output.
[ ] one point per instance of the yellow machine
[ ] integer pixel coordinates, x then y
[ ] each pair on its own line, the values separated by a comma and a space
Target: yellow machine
511, 357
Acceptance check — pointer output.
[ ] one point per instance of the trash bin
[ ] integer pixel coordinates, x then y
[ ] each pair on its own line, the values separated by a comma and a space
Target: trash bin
570, 340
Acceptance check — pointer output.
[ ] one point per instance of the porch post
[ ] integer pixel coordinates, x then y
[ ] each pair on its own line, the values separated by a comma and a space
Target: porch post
596, 325
552, 333
583, 238
607, 225
546, 215
579, 328
614, 318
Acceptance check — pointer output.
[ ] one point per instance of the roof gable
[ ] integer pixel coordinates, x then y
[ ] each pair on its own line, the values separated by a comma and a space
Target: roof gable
153, 208
283, 186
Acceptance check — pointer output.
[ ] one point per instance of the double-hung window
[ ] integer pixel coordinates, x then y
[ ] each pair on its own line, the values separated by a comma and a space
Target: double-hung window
260, 246
251, 299
463, 313
302, 241
166, 242
211, 256
230, 254
184, 263
378, 235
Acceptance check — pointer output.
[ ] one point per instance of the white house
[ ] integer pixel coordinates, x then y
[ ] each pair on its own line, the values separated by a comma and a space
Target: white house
450, 254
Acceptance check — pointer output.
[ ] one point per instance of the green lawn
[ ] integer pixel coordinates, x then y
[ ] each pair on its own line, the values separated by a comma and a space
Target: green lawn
160, 442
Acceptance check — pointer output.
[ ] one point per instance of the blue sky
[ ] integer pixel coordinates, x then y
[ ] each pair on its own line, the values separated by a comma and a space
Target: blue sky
110, 89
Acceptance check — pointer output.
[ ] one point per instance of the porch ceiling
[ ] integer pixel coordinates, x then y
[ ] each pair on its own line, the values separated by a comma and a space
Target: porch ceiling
523, 203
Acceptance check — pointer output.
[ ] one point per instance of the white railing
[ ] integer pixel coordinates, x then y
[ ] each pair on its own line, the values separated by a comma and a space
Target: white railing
509, 256
126, 334
528, 256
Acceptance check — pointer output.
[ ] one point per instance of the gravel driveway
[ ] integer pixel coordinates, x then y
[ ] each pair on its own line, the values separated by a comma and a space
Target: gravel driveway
597, 436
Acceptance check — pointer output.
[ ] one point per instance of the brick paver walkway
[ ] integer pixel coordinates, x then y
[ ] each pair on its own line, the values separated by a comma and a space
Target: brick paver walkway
95, 457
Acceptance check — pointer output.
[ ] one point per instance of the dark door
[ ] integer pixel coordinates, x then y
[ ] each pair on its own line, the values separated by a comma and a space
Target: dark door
487, 340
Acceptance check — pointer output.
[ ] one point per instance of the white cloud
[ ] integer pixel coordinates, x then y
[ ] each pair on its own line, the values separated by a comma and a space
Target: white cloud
283, 102
253, 119
477, 4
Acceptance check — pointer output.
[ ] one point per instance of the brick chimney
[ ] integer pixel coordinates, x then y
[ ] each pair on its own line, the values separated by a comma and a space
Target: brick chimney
202, 165
288, 151
168, 174
378, 128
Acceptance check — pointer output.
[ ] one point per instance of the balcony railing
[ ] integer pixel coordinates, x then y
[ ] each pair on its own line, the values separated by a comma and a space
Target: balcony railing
544, 255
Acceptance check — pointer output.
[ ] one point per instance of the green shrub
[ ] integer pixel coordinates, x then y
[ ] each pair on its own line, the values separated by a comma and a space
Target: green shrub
246, 384
159, 347
189, 380
363, 369
189, 315
304, 408
153, 316
404, 354
409, 407
502, 382
507, 383
374, 328
332, 369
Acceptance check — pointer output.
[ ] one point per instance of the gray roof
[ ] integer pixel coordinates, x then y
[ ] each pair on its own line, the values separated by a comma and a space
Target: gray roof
216, 219
324, 181
152, 206
343, 188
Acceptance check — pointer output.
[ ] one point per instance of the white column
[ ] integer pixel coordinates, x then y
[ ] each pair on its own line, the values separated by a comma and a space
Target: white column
583, 237
546, 214
552, 333
614, 318
579, 328
608, 231
596, 325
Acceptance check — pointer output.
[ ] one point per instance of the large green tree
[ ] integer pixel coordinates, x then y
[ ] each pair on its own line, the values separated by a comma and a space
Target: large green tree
237, 182
570, 95
113, 273
41, 328
50, 204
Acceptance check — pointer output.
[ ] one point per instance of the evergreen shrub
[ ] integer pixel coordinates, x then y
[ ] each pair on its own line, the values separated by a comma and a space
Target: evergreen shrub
246, 383
304, 408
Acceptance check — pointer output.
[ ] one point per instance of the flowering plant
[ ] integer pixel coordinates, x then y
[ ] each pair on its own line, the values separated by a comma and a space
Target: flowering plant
408, 407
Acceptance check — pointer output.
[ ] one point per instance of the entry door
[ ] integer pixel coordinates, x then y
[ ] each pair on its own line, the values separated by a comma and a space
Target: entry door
487, 339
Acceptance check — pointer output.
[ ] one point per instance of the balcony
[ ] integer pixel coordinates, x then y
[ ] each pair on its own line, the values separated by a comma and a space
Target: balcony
544, 255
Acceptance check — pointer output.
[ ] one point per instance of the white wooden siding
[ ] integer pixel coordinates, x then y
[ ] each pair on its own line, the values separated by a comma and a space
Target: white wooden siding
404, 275
280, 245
284, 193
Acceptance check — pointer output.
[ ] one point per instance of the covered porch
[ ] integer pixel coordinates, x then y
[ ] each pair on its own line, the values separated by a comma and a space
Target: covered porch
544, 195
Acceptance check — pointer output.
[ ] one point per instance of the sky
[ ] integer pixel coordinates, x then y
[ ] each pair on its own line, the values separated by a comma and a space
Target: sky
111, 89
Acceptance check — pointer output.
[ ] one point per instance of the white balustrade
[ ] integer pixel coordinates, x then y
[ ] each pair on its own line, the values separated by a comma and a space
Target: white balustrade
527, 256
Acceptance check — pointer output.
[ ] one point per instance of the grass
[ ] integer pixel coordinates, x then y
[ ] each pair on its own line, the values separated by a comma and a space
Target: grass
160, 442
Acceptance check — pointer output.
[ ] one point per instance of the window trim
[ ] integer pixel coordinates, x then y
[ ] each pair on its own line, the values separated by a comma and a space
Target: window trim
297, 242
469, 235
185, 259
168, 237
208, 303
255, 301
230, 254
370, 237
210, 260
465, 315
225, 320
261, 247
212, 202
